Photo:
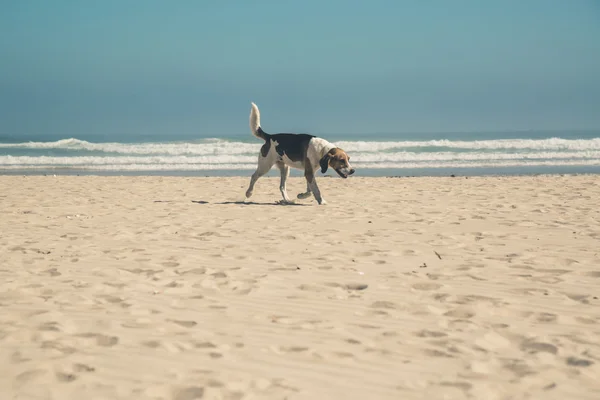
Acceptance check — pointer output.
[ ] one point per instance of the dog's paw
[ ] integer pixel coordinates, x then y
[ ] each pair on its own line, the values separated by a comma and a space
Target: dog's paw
322, 202
304, 195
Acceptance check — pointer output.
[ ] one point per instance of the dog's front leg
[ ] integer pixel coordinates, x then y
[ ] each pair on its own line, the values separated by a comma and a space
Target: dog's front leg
305, 194
312, 185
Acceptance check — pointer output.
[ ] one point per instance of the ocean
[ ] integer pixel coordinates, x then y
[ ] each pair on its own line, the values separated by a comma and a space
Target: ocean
441, 154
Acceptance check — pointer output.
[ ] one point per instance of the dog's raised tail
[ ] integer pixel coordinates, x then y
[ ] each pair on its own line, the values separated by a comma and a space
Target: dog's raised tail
255, 123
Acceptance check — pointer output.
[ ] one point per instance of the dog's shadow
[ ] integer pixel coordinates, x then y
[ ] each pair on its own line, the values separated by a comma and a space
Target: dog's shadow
239, 203
252, 203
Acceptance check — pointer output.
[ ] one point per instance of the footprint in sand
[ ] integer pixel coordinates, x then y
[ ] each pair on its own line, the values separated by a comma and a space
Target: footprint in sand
530, 291
111, 299
153, 344
460, 313
189, 393
193, 271
17, 358
50, 326
106, 341
368, 326
582, 298
51, 272
83, 368
311, 288
205, 345
476, 299
55, 345
430, 334
185, 324
384, 304
140, 271
518, 367
464, 386
437, 353
291, 268
101, 340
170, 264
426, 286
578, 362
28, 376
547, 279
294, 349
532, 347
65, 377
348, 286
546, 317
343, 354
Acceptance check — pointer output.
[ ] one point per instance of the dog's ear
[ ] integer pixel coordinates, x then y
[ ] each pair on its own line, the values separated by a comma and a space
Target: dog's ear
324, 163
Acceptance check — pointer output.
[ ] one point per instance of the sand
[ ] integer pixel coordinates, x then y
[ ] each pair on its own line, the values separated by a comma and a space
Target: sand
399, 288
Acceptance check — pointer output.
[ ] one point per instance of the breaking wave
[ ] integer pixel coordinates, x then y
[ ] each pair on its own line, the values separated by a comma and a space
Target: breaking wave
219, 154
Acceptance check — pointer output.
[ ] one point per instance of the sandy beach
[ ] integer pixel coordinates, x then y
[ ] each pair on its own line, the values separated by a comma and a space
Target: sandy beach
399, 288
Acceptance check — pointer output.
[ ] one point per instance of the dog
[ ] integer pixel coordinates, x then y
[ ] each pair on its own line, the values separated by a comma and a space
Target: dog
296, 150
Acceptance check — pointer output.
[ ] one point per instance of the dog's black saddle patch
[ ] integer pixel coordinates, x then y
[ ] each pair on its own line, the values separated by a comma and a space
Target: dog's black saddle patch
294, 146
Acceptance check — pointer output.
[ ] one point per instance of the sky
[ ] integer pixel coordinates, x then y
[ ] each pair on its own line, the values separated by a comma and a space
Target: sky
191, 68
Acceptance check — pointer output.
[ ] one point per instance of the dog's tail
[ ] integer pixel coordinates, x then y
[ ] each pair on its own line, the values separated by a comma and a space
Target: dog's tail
255, 123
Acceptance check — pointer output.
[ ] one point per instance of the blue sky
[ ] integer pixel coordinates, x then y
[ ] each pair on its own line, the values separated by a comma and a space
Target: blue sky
186, 68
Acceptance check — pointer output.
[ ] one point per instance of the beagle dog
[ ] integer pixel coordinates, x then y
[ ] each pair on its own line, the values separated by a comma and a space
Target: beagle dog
301, 151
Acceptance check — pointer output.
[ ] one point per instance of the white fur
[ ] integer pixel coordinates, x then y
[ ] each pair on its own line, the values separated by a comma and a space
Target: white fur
255, 120
294, 164
317, 148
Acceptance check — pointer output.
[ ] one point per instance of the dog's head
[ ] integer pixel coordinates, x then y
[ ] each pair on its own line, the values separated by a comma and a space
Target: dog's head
337, 159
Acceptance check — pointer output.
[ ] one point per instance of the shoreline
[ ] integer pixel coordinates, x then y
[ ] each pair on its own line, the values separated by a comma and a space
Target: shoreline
365, 173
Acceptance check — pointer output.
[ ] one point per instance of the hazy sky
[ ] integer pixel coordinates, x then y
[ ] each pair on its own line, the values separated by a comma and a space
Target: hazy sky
72, 68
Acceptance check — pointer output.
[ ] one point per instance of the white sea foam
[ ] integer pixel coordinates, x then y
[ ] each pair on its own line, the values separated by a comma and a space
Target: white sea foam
218, 146
450, 156
124, 160
358, 158
207, 147
507, 144
218, 154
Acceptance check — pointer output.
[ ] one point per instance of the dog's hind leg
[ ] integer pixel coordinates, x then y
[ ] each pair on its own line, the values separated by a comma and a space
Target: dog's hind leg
285, 172
264, 166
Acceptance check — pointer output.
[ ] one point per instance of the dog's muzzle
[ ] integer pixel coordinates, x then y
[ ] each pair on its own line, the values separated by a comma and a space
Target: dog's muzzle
345, 172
